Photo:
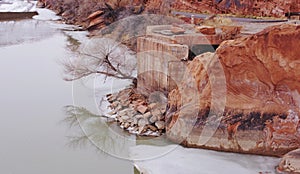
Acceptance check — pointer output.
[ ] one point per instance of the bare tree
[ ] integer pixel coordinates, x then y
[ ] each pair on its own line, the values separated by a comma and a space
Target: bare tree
101, 56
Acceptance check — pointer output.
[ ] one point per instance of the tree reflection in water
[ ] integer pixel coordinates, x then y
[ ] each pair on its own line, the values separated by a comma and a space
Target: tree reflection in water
98, 59
97, 130
103, 133
101, 59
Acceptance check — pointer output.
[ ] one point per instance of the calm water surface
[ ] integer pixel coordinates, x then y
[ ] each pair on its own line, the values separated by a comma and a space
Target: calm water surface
33, 137
38, 136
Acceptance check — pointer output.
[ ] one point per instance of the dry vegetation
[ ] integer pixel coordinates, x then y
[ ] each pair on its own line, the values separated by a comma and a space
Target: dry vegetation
101, 56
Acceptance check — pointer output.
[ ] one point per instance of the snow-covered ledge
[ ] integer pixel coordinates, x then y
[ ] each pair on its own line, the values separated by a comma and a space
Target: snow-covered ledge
194, 161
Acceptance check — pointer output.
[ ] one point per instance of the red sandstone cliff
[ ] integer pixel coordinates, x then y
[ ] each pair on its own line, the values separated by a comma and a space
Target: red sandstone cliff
274, 8
77, 12
262, 98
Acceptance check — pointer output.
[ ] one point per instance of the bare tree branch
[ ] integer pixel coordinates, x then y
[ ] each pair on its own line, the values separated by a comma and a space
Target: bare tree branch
101, 56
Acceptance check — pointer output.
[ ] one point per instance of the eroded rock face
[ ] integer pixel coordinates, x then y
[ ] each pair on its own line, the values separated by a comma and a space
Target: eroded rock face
263, 70
275, 8
77, 12
261, 112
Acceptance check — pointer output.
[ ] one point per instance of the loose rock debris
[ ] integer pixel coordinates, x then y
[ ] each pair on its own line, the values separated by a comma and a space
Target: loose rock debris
138, 114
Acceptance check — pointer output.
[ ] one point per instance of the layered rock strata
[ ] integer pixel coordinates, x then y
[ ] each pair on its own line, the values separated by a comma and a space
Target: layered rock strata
257, 112
274, 8
77, 12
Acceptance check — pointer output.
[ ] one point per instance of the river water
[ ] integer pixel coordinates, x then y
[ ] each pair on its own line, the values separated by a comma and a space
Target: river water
48, 125
34, 139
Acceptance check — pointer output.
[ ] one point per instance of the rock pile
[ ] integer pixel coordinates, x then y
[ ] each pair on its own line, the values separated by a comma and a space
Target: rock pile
138, 114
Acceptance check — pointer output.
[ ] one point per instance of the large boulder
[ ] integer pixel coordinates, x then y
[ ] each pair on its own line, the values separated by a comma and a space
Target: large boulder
244, 98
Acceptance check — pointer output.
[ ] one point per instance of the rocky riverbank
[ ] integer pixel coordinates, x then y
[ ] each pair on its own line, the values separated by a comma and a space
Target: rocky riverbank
78, 12
261, 114
138, 114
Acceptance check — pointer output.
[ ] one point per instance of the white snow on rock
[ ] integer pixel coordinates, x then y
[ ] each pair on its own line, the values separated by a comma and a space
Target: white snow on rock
17, 6
45, 14
200, 161
27, 6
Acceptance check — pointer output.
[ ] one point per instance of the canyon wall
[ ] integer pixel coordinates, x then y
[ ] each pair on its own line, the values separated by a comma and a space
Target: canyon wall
270, 8
261, 104
77, 12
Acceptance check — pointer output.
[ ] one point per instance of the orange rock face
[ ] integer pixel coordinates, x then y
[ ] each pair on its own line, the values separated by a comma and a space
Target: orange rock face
275, 8
263, 71
206, 30
261, 102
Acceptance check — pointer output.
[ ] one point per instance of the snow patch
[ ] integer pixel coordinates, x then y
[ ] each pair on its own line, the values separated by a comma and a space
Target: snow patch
17, 6
195, 161
45, 14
